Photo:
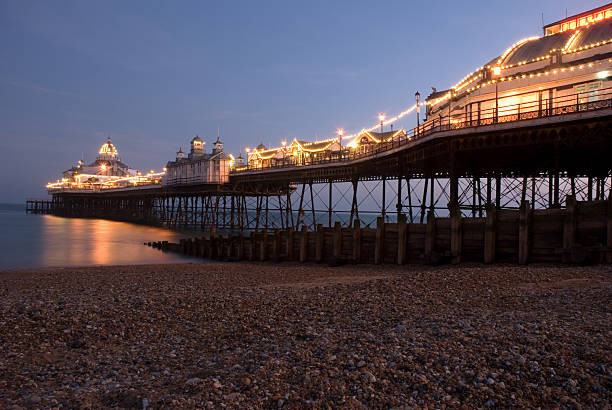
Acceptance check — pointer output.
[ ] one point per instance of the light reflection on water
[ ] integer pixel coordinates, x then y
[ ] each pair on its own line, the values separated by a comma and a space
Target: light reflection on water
32, 241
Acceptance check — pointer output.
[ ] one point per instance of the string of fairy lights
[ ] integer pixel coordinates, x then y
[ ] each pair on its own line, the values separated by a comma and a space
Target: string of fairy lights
106, 182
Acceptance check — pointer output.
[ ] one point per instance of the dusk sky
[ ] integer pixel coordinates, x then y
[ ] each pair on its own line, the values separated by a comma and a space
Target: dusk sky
152, 74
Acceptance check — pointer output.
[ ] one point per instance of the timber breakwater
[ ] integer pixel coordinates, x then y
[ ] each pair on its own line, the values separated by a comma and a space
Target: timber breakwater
580, 233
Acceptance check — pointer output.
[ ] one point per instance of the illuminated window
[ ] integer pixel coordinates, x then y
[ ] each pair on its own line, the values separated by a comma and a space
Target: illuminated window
582, 22
608, 13
588, 93
564, 27
599, 16
572, 24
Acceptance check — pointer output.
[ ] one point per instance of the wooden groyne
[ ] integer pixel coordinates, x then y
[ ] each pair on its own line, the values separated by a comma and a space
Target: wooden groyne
579, 233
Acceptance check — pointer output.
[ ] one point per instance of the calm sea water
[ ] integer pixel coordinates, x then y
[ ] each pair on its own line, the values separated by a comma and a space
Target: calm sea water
35, 241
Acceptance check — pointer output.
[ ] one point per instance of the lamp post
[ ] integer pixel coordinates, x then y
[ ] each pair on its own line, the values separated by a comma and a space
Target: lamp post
340, 133
381, 118
417, 97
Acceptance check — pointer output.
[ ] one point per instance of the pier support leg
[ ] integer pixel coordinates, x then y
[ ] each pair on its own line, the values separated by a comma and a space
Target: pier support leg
330, 204
424, 200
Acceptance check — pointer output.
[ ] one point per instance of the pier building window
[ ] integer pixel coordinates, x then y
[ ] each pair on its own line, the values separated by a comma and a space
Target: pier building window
587, 93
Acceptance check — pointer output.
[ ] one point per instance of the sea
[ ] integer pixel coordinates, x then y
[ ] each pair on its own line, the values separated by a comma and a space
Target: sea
30, 241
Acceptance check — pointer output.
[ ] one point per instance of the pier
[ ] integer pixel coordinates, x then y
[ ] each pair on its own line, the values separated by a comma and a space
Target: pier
520, 141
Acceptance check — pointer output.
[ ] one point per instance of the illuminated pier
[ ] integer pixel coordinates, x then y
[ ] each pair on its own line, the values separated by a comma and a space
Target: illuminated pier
529, 129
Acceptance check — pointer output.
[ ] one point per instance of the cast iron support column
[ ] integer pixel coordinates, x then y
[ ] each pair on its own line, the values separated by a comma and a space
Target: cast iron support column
409, 199
383, 212
300, 209
398, 207
312, 206
498, 192
424, 201
329, 205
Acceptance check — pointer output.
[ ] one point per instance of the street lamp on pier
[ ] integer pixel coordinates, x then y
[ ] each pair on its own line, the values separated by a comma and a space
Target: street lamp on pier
417, 97
381, 118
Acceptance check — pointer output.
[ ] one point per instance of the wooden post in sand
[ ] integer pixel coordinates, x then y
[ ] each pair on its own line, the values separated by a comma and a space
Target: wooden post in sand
357, 241
569, 228
430, 236
337, 240
290, 251
205, 247
263, 246
221, 247
490, 234
213, 246
319, 239
196, 247
304, 244
276, 245
240, 250
456, 235
253, 250
402, 238
524, 228
380, 240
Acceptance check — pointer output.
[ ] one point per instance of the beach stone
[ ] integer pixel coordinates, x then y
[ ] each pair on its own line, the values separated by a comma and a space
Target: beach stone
77, 344
194, 381
33, 399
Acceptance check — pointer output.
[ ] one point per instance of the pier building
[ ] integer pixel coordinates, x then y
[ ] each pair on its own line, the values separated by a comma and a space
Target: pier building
299, 152
566, 69
106, 172
199, 167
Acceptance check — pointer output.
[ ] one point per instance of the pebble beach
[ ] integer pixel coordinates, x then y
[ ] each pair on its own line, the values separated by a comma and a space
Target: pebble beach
238, 335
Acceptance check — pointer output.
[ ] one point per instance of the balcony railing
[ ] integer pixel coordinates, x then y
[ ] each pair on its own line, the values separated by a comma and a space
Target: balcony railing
543, 107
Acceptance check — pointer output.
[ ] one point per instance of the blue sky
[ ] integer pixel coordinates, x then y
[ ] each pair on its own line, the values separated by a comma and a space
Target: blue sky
153, 73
